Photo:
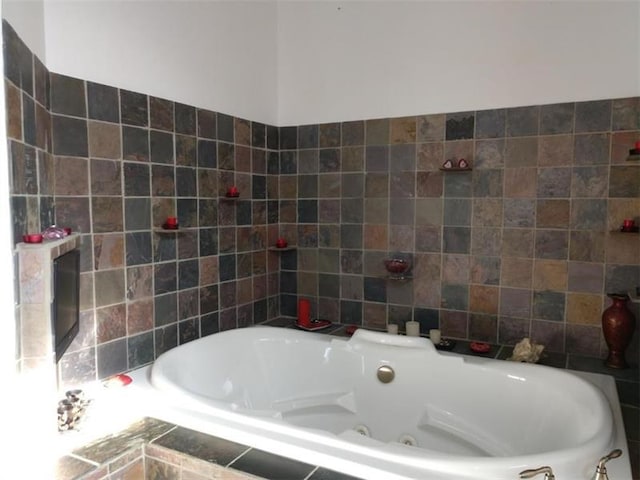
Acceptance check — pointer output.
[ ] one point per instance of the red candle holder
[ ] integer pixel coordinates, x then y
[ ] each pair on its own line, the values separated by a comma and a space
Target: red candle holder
281, 243
233, 191
32, 238
304, 312
628, 225
171, 223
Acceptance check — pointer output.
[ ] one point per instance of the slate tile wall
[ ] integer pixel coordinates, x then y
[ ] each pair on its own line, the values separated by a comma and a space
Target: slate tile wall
519, 246
522, 245
113, 164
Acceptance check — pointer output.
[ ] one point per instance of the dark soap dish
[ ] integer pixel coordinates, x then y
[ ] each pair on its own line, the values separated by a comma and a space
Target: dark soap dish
446, 345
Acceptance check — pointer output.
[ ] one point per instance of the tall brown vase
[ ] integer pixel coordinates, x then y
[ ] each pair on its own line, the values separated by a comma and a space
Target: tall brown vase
618, 324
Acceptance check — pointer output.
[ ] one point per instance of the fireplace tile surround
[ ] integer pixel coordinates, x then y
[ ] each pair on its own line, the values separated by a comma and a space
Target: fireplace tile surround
522, 245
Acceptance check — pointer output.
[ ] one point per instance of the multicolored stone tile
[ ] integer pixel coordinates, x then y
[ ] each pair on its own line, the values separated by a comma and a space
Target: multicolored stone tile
555, 150
430, 128
584, 309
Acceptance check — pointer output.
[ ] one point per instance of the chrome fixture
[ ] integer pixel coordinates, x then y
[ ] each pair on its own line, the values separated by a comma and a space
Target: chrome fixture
409, 440
385, 374
548, 473
601, 470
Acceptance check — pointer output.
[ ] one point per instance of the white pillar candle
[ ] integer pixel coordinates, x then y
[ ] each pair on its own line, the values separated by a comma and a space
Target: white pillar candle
435, 335
413, 329
392, 328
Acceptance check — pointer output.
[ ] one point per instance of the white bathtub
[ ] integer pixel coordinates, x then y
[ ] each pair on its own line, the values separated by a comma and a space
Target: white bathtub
317, 398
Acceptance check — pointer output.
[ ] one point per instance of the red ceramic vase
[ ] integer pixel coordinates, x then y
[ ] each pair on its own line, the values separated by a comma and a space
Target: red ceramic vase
618, 324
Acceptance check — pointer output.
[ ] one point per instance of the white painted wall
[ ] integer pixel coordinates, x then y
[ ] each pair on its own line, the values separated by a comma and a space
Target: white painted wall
27, 18
354, 60
212, 54
296, 62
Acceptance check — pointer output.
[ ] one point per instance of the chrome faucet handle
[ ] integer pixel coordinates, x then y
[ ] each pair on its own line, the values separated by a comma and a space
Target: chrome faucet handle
610, 456
548, 473
601, 470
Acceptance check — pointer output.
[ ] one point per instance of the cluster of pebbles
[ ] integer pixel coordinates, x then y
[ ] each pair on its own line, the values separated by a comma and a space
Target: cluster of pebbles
71, 409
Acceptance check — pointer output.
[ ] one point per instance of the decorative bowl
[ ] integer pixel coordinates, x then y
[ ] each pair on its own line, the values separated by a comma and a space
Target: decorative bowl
479, 347
32, 238
397, 266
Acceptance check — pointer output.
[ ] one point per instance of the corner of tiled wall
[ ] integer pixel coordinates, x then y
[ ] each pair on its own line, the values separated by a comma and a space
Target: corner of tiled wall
521, 245
113, 164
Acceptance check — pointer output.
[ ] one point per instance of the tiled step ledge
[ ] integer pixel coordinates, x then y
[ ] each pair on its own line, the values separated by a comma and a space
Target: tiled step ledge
154, 449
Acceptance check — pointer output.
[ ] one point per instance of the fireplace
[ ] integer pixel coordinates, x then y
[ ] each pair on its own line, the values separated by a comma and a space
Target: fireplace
39, 348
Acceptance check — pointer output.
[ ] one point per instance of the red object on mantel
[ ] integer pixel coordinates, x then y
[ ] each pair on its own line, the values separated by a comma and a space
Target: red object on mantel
281, 243
232, 191
32, 238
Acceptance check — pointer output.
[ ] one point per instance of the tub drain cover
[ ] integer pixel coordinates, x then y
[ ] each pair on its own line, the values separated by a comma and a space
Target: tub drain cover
362, 430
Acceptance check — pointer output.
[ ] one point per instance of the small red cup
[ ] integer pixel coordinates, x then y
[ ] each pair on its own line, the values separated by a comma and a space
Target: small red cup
628, 223
32, 238
67, 230
171, 221
281, 243
233, 191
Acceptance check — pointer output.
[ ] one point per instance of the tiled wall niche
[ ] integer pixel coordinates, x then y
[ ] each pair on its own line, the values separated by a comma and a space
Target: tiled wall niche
519, 246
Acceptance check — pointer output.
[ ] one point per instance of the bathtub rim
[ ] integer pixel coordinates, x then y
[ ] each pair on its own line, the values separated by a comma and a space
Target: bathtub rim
266, 419
140, 390
188, 418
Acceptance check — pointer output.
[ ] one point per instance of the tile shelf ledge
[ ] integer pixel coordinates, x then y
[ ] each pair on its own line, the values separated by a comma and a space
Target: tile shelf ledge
72, 239
395, 278
282, 249
173, 230
455, 169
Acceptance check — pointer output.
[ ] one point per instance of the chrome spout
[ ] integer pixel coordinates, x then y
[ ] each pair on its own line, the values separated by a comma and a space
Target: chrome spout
601, 470
548, 473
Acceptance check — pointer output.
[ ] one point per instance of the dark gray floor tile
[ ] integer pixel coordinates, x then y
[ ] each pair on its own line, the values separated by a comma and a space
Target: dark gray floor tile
324, 474
596, 365
268, 465
200, 445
